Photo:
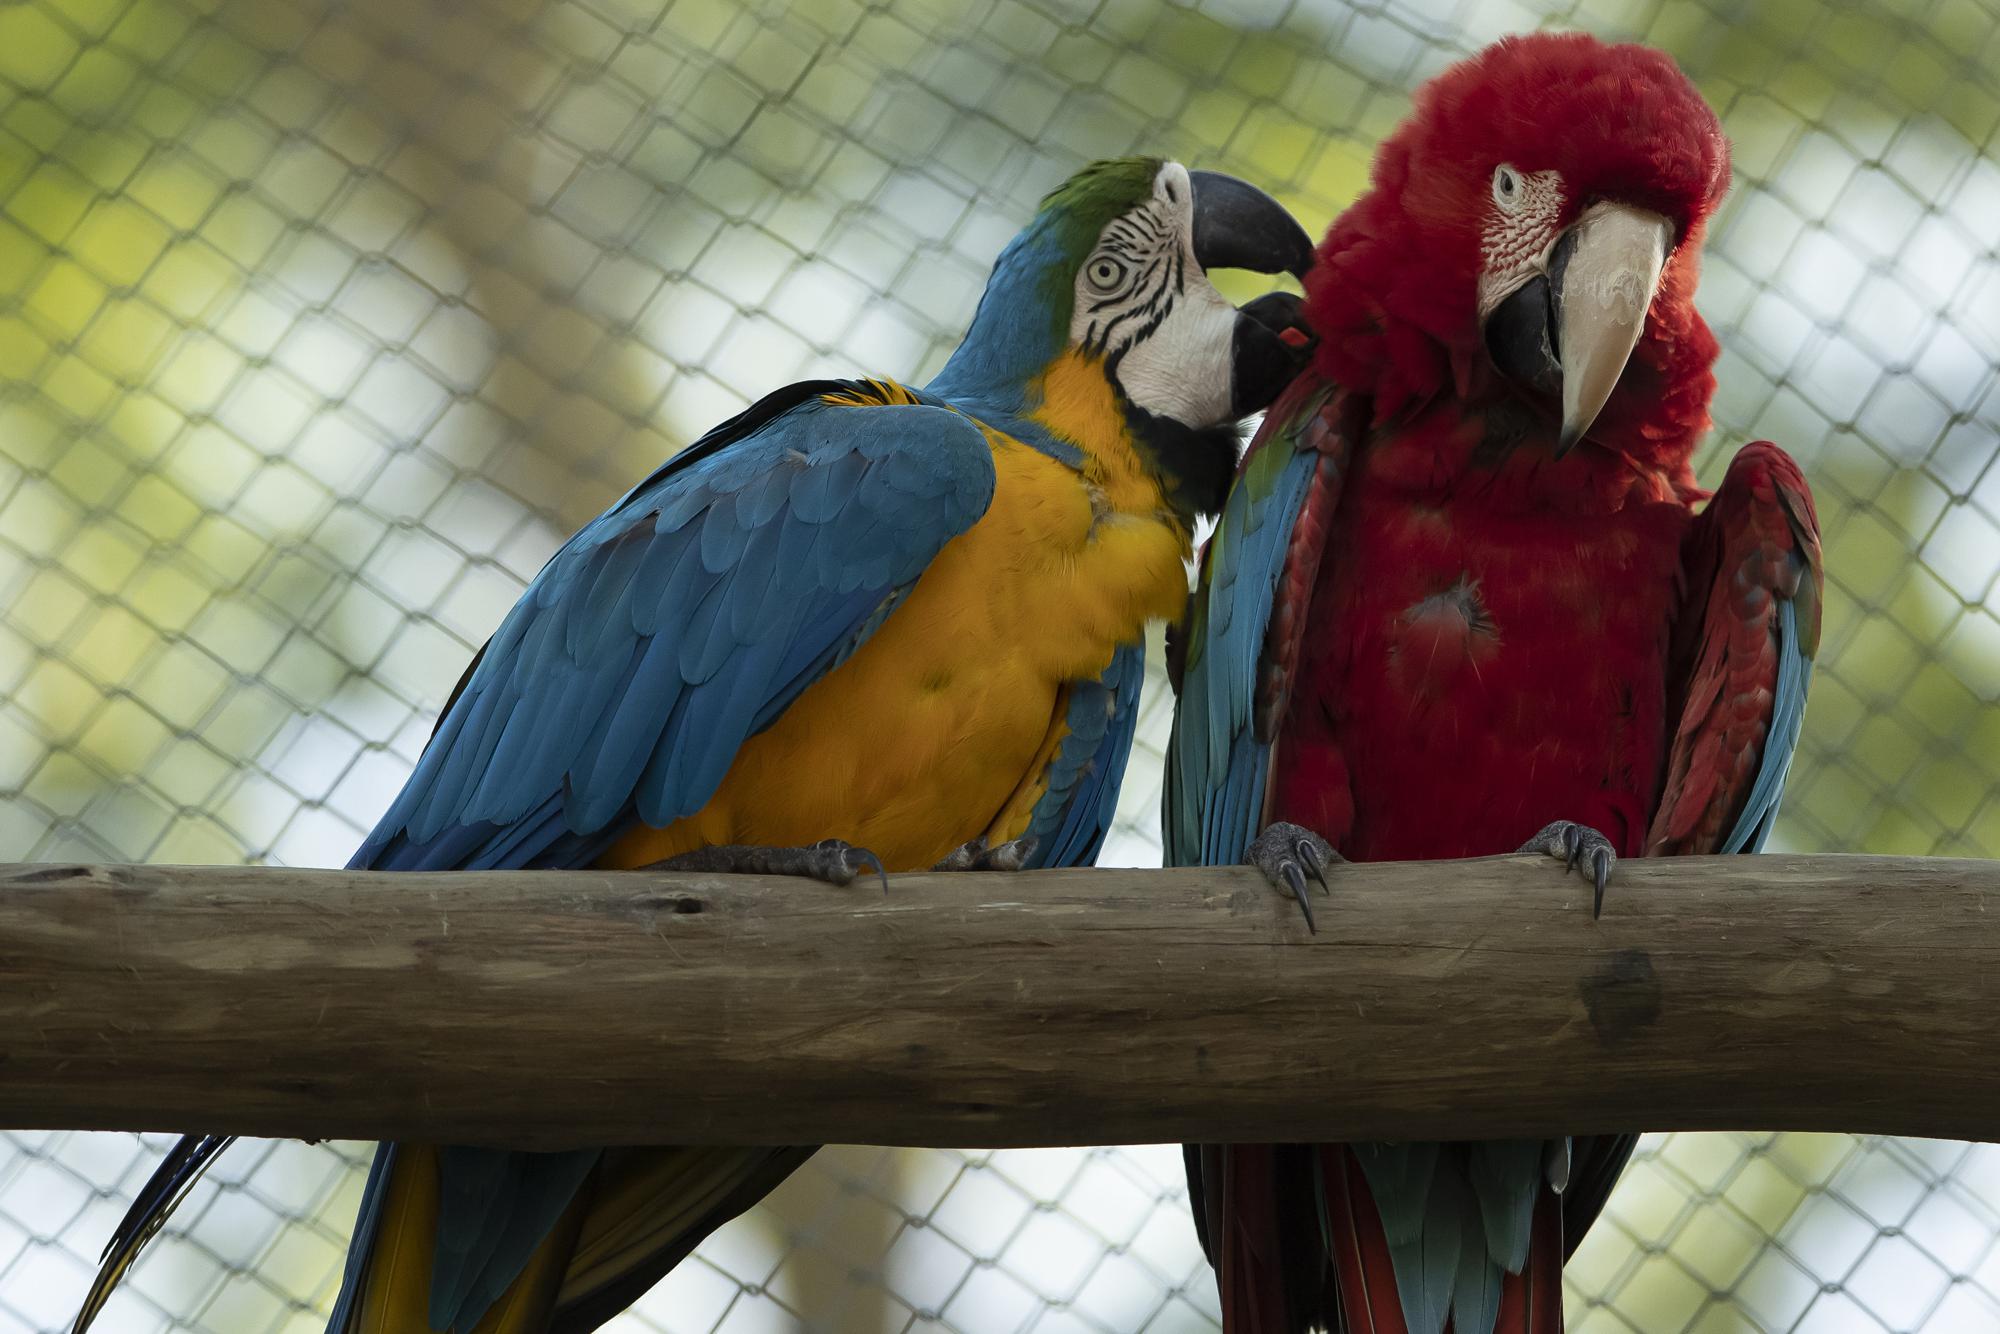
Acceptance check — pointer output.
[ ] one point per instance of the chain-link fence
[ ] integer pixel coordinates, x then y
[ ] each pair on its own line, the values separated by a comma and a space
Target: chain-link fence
321, 325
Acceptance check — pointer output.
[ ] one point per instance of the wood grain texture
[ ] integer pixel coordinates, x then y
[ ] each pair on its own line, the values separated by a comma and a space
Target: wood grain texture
1439, 1000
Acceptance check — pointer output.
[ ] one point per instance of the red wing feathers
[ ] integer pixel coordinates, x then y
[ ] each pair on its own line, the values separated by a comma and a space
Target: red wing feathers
1752, 552
1333, 430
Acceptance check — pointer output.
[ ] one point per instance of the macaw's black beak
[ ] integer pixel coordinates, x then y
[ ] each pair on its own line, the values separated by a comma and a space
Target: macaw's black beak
1238, 226
1271, 346
1567, 332
1521, 331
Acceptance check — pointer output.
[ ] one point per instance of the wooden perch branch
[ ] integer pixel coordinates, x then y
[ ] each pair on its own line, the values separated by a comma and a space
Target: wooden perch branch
1078, 1007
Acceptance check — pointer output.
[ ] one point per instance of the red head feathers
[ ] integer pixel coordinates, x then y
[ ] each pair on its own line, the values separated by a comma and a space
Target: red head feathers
1546, 160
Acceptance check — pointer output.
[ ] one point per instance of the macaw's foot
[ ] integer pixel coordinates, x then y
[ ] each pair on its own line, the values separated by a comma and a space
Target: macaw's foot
1287, 854
1583, 849
830, 860
975, 855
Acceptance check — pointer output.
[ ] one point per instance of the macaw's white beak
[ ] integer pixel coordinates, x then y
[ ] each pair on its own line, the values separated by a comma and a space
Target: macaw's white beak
1605, 291
1570, 330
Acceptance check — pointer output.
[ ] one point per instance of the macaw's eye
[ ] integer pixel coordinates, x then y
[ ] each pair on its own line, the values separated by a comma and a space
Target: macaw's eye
1106, 274
1506, 187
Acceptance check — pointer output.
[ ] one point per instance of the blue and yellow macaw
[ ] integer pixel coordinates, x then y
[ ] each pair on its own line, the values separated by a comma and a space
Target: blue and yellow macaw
858, 626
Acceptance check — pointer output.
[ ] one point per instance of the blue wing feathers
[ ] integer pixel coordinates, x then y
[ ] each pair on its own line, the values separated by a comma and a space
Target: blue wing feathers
443, 762
470, 1225
757, 575
798, 548
718, 719
692, 585
759, 501
672, 570
704, 649
1760, 808
721, 538
1217, 766
820, 494
613, 754
508, 1201
1073, 816
605, 607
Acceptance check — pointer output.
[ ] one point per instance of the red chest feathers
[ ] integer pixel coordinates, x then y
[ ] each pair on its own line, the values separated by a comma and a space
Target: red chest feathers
1473, 670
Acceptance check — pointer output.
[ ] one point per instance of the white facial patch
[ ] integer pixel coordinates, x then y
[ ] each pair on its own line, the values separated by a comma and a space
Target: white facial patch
1520, 227
1146, 306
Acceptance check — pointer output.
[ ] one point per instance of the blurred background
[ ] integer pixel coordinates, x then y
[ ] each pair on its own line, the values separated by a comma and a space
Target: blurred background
321, 325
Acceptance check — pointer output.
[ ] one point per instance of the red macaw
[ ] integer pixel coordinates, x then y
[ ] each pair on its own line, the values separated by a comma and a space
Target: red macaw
1464, 598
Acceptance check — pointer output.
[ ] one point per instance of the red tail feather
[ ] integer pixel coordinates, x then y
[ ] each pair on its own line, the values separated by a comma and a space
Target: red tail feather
1248, 1265
1369, 1303
1542, 1276
1531, 1302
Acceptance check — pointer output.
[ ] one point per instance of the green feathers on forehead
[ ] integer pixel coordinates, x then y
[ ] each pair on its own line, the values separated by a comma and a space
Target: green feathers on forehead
1082, 205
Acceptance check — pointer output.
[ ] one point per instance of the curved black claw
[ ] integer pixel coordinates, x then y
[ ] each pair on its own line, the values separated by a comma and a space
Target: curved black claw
830, 860
1576, 845
975, 855
1287, 854
848, 861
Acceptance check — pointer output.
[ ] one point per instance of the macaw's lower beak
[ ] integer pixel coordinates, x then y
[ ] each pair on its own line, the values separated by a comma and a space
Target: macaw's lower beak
1272, 345
1568, 332
1238, 226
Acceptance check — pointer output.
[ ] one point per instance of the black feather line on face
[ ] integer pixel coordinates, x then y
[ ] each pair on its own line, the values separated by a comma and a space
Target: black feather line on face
1151, 310
1194, 466
1154, 313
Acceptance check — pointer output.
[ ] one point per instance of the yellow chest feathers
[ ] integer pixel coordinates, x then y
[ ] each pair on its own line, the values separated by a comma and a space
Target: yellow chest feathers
1104, 550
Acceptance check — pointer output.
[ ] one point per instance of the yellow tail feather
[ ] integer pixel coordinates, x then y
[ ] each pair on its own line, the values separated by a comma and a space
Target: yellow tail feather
636, 1206
643, 1201
396, 1288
